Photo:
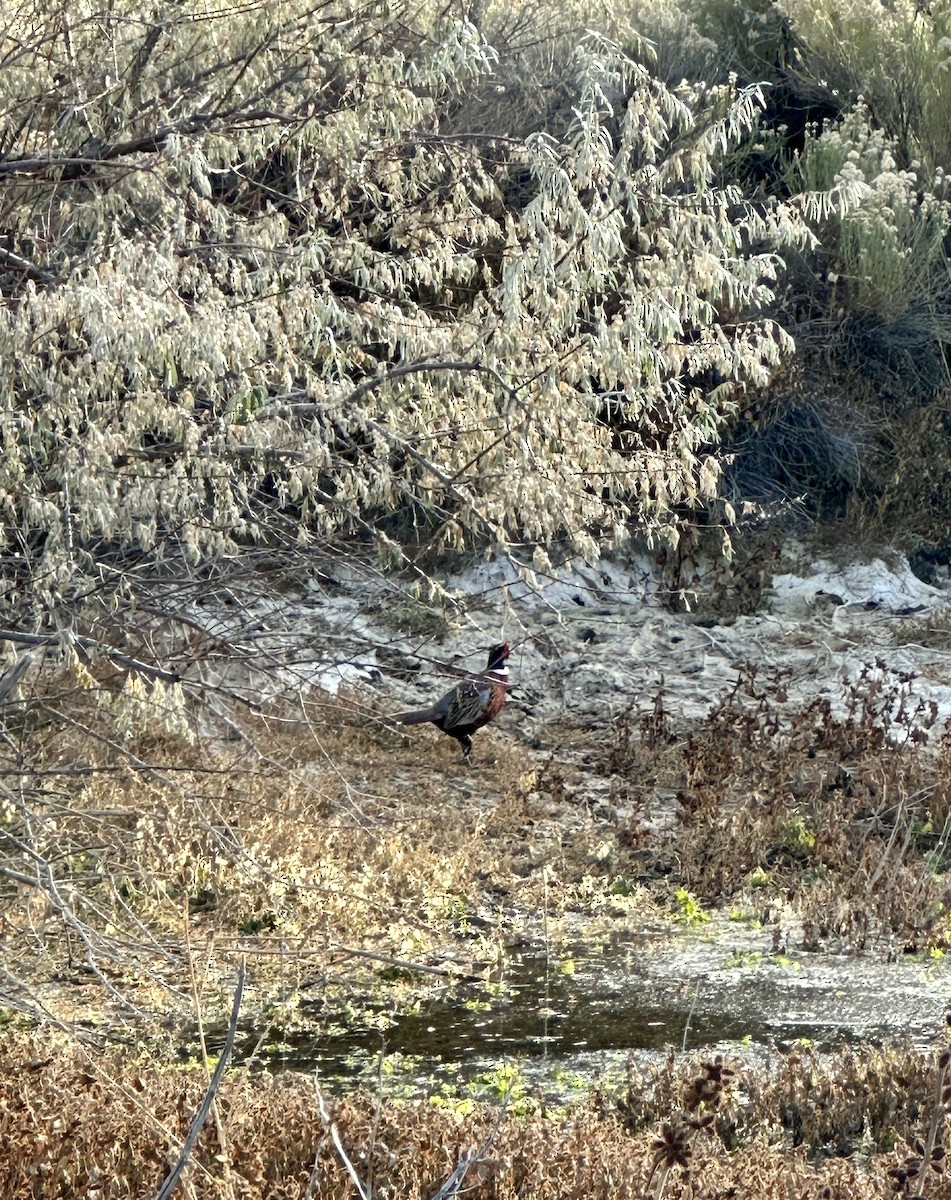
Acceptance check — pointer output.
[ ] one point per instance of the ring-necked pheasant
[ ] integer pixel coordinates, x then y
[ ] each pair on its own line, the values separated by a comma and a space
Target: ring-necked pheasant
470, 704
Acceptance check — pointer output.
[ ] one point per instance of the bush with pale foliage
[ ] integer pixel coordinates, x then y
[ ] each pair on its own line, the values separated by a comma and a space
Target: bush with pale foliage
261, 287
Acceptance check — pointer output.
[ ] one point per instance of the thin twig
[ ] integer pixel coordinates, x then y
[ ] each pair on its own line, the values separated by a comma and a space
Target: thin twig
16, 263
88, 643
331, 1128
12, 677
402, 963
474, 1158
189, 1144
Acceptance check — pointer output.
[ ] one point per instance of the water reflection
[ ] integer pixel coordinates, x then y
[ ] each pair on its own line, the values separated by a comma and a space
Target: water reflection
585, 1012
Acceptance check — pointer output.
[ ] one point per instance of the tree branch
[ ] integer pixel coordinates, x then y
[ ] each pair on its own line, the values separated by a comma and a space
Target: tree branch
88, 643
189, 1144
15, 263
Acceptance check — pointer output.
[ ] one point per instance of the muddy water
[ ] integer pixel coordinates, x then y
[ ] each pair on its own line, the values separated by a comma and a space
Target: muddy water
575, 1016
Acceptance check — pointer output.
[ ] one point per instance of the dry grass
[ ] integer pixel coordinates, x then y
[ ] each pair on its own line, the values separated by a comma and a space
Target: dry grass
313, 838
108, 1127
932, 630
840, 808
141, 866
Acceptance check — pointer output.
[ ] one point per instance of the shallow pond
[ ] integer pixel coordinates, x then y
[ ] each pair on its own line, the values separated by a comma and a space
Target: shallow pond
575, 1016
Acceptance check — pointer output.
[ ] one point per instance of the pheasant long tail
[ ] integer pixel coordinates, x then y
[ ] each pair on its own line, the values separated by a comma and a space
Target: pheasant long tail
419, 717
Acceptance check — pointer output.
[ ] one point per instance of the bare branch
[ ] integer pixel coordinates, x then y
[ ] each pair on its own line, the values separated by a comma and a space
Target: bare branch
189, 1144
88, 644
15, 263
12, 677
476, 1159
331, 1127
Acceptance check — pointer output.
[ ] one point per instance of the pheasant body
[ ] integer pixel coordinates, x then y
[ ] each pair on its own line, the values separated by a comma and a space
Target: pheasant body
470, 704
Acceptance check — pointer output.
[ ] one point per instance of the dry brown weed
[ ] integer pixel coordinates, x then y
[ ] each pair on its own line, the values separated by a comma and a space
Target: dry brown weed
108, 1126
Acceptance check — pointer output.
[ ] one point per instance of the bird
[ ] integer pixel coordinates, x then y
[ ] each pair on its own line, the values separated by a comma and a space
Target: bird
470, 704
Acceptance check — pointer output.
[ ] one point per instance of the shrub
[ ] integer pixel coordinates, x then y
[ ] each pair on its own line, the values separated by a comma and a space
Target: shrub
896, 55
256, 294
